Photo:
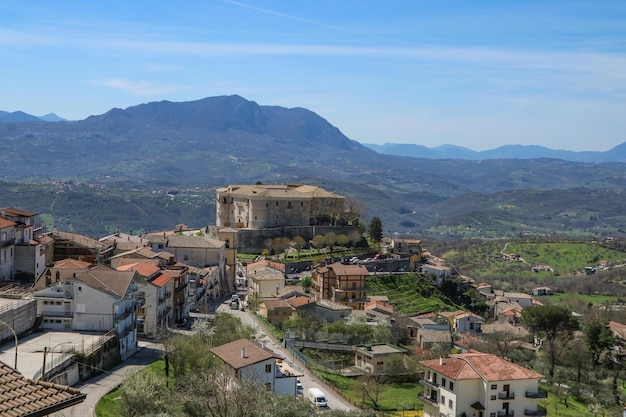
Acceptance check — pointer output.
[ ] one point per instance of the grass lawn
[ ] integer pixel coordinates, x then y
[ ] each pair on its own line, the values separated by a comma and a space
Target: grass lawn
588, 299
392, 396
108, 406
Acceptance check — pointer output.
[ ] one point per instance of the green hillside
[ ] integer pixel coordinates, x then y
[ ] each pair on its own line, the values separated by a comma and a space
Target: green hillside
409, 294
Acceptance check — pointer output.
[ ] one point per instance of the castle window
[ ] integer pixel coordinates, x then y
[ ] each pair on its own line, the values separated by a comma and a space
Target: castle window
289, 204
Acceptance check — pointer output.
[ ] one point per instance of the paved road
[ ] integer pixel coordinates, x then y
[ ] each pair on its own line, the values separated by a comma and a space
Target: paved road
308, 380
148, 352
101, 385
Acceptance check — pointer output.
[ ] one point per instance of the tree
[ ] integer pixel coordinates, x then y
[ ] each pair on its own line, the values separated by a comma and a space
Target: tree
598, 338
369, 388
307, 283
376, 230
555, 324
318, 242
298, 243
331, 239
342, 240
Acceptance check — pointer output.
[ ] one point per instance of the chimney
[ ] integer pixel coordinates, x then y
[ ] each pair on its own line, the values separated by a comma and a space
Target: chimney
243, 352
440, 360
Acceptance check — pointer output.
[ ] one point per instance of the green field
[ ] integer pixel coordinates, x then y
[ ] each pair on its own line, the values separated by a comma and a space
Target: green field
566, 258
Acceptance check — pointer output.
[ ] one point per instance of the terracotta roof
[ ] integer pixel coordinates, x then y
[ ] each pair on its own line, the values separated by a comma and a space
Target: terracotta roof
276, 303
69, 263
342, 270
21, 397
80, 240
6, 223
480, 365
266, 263
299, 300
618, 328
161, 280
242, 353
278, 191
144, 269
15, 212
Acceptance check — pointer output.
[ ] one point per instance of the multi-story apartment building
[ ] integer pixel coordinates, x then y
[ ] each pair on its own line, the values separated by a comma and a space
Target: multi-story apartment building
7, 249
154, 304
29, 251
98, 299
344, 284
267, 206
481, 385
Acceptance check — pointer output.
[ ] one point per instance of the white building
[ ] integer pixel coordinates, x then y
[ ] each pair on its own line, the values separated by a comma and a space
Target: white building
249, 361
7, 249
266, 206
480, 385
29, 253
154, 298
99, 299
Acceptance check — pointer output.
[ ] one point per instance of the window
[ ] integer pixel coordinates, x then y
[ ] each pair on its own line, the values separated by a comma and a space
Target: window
451, 386
492, 414
443, 382
268, 387
302, 204
268, 368
443, 399
160, 246
494, 386
277, 204
493, 397
450, 404
289, 204
186, 257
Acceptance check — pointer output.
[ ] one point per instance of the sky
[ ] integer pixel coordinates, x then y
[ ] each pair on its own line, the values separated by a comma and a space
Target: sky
478, 74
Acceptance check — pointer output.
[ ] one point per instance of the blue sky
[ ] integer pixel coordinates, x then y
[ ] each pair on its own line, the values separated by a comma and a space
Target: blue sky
478, 74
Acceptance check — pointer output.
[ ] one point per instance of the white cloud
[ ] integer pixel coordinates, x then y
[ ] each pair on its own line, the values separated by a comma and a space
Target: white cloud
139, 88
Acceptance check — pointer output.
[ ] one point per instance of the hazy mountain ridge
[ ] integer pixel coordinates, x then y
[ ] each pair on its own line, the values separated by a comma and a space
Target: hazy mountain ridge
616, 154
223, 140
20, 116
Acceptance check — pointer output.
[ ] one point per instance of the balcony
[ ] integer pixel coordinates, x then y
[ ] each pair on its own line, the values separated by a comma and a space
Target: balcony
537, 412
506, 395
64, 313
432, 401
536, 394
430, 384
505, 413
7, 242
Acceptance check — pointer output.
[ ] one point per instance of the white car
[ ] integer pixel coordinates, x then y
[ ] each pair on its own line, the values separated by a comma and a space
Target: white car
298, 384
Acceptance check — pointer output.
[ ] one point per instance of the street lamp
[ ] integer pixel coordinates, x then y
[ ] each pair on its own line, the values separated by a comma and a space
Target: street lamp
45, 351
15, 336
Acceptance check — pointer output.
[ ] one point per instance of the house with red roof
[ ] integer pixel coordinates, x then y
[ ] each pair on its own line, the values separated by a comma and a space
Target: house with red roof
154, 298
340, 283
481, 385
244, 360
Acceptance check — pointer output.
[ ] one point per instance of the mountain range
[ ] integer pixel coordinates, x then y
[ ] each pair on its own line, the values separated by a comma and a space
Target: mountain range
616, 154
20, 116
165, 146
